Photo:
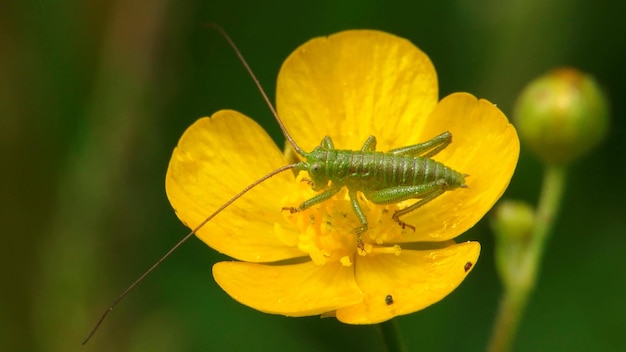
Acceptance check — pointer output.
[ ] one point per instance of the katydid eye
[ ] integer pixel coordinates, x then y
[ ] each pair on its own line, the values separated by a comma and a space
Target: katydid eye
316, 168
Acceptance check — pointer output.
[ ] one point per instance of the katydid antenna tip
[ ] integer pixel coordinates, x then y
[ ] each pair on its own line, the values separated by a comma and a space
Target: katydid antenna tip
269, 104
183, 240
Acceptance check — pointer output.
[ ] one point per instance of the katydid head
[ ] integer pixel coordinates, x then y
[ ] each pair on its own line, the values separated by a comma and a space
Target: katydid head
315, 165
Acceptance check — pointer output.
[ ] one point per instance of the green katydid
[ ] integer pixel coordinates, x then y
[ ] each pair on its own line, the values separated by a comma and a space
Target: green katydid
389, 177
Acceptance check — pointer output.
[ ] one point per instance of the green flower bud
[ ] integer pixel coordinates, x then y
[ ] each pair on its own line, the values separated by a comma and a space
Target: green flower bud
512, 223
513, 220
562, 115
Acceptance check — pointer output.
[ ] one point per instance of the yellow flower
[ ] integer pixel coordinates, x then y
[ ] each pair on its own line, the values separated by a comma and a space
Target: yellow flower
349, 86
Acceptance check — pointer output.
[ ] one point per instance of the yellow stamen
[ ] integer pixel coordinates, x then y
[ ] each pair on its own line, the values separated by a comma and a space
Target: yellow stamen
327, 229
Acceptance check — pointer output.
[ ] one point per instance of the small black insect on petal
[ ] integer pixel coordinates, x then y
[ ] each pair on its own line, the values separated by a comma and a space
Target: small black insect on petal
389, 300
468, 266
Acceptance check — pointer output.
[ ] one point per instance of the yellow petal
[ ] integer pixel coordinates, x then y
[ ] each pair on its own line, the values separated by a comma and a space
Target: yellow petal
292, 290
413, 280
215, 159
486, 147
354, 84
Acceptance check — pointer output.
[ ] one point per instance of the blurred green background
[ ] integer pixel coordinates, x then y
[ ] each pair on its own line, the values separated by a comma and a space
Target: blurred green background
95, 94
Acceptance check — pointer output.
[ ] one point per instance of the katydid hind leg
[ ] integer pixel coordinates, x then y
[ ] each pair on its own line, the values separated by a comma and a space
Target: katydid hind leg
426, 149
425, 193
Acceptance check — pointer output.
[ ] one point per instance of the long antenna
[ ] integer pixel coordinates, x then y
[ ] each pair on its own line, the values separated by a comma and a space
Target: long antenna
258, 85
151, 269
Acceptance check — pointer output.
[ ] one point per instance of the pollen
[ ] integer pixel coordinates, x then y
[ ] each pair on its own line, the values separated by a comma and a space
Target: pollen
327, 230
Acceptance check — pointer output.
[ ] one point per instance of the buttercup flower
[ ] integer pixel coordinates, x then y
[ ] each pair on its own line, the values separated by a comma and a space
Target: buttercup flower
348, 86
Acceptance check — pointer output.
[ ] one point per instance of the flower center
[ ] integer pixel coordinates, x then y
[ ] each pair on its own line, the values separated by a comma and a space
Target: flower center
327, 231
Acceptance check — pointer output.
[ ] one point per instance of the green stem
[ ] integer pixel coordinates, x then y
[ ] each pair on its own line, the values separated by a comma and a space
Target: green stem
509, 316
519, 286
391, 336
549, 203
